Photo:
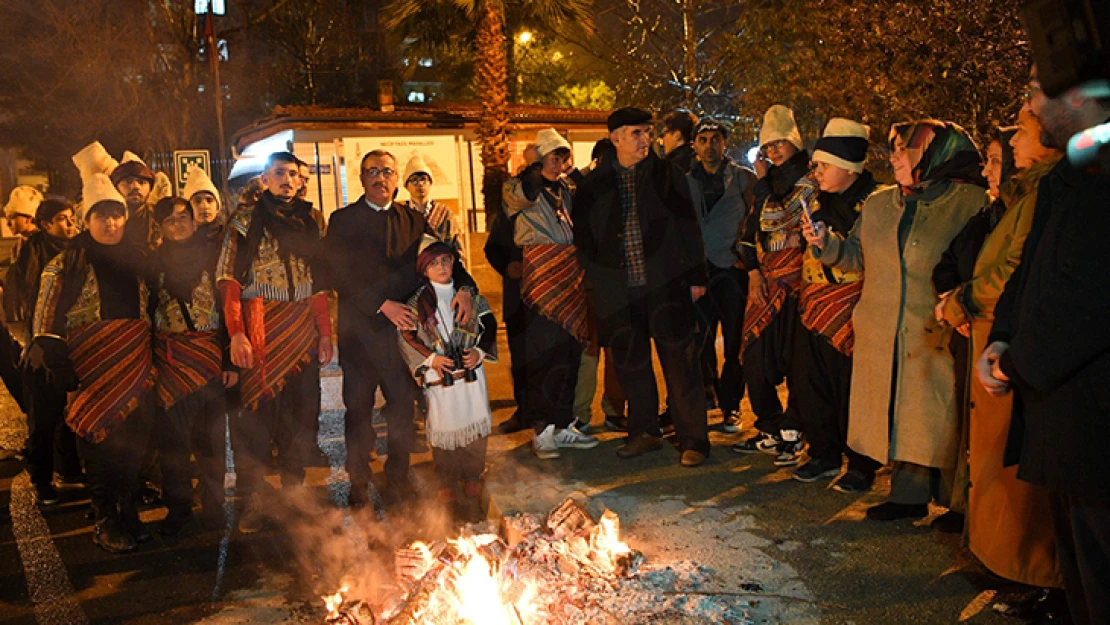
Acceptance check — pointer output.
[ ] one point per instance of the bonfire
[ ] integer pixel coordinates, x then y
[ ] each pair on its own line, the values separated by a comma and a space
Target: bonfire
567, 568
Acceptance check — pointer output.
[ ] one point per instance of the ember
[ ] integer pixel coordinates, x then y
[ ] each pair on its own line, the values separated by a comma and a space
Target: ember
569, 568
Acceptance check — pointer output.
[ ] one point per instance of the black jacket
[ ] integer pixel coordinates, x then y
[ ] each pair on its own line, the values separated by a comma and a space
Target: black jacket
683, 157
368, 257
21, 284
1054, 314
673, 252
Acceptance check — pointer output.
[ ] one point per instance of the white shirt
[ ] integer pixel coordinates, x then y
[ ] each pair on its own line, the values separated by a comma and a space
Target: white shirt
378, 208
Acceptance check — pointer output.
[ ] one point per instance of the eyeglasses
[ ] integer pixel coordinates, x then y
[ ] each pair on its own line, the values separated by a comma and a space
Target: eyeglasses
420, 179
374, 172
1032, 89
443, 261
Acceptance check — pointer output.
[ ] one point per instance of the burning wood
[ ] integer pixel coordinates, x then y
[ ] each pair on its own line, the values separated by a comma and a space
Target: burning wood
569, 568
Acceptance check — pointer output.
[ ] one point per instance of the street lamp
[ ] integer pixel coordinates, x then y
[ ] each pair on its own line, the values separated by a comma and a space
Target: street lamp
524, 37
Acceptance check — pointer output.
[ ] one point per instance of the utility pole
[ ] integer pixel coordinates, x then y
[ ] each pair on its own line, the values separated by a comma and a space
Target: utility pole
214, 67
690, 47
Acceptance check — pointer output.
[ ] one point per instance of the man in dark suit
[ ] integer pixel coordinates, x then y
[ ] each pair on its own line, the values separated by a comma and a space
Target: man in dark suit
370, 259
640, 245
1050, 344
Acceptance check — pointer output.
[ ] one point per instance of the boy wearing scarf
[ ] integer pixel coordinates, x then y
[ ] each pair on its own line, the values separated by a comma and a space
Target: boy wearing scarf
190, 358
92, 338
280, 329
772, 248
824, 344
553, 290
459, 417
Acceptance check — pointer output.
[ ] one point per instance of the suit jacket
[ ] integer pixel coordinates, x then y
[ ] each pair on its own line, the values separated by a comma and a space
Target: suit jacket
369, 257
673, 252
1054, 314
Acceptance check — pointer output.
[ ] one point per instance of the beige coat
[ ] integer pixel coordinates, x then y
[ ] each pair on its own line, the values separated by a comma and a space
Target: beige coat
898, 303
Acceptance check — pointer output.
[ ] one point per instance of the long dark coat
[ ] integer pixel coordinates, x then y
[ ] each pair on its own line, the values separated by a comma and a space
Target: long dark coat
1053, 313
673, 250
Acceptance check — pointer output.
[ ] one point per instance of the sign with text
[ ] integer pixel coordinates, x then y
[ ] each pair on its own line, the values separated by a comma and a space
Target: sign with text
183, 160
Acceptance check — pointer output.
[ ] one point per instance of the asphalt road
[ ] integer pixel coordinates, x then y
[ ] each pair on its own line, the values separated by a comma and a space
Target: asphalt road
739, 514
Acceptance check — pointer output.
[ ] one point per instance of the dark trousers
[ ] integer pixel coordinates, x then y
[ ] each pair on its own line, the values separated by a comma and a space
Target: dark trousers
678, 355
112, 465
552, 357
612, 396
360, 384
196, 425
1082, 527
464, 463
515, 321
823, 382
50, 442
287, 422
767, 362
723, 304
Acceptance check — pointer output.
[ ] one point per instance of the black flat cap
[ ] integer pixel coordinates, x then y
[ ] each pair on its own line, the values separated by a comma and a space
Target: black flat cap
628, 116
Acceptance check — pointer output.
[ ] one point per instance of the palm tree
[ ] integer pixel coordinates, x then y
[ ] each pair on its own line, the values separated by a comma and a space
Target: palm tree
432, 24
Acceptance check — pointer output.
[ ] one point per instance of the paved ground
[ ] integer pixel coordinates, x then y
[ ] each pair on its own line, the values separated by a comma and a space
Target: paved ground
787, 552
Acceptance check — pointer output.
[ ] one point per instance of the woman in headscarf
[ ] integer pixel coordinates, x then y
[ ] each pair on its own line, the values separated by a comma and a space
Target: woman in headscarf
1008, 525
956, 267
903, 401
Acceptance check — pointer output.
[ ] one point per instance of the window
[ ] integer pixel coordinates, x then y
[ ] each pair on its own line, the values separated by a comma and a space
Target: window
201, 6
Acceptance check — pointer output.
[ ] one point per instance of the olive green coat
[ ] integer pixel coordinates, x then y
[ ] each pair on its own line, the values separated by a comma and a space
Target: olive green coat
1008, 523
900, 346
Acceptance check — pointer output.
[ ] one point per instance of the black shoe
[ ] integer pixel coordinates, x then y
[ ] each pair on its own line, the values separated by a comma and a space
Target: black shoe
149, 494
71, 481
639, 445
950, 522
616, 423
129, 517
398, 492
666, 422
359, 497
178, 524
762, 442
110, 535
891, 511
816, 469
317, 458
46, 494
512, 424
853, 482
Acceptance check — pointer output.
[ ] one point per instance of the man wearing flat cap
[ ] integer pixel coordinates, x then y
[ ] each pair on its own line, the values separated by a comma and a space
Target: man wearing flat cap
639, 242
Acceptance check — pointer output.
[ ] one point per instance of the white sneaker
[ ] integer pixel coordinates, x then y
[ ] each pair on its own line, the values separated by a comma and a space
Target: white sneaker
543, 444
572, 438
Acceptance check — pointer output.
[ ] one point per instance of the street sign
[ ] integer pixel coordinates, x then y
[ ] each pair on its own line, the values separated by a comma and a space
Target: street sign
183, 160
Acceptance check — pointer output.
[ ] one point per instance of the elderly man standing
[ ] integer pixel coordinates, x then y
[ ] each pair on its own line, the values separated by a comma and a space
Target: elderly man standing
639, 242
722, 195
369, 255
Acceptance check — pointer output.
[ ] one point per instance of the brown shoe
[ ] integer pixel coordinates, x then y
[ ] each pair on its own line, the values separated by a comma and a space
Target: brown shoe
639, 445
692, 458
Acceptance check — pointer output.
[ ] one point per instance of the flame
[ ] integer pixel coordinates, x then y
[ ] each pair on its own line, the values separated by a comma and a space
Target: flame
334, 601
605, 541
479, 589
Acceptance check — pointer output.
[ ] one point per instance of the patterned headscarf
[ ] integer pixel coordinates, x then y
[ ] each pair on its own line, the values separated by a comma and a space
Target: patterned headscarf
938, 151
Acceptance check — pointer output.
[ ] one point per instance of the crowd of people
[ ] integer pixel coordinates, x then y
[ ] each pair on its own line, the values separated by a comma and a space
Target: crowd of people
948, 325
